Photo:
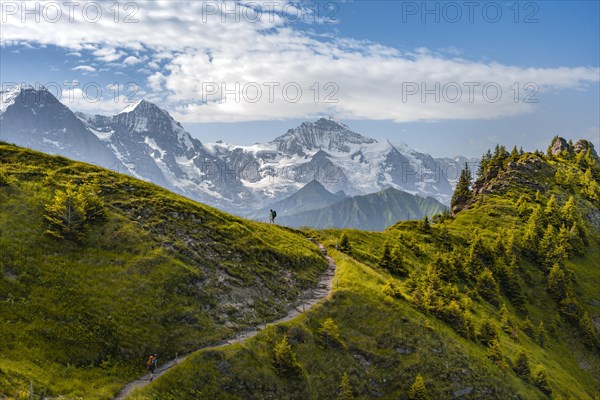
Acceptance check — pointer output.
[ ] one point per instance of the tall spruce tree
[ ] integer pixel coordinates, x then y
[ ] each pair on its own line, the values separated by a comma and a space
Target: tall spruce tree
462, 192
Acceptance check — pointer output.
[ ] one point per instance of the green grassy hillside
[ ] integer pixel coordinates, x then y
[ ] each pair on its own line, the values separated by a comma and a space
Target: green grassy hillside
152, 272
499, 301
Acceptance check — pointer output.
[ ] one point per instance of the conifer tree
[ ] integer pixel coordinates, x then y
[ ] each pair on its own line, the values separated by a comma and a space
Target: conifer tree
331, 332
385, 261
495, 353
568, 213
425, 224
534, 229
345, 390
462, 192
487, 287
528, 328
67, 214
418, 390
522, 365
285, 358
344, 245
398, 265
540, 378
552, 212
487, 331
558, 283
506, 320
541, 334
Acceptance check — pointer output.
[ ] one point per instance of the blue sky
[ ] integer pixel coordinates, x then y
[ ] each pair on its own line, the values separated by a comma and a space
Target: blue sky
179, 55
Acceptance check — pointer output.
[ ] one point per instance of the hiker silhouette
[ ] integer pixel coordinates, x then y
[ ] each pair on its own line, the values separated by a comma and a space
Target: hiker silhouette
272, 215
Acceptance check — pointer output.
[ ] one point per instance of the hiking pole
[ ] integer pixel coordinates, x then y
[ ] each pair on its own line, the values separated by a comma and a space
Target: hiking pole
30, 390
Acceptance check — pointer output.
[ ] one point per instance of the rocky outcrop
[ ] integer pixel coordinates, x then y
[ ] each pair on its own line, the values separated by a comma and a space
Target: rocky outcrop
583, 146
558, 146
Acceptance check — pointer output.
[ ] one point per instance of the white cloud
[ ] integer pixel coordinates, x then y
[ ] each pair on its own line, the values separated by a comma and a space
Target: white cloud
108, 54
368, 80
131, 60
86, 68
95, 100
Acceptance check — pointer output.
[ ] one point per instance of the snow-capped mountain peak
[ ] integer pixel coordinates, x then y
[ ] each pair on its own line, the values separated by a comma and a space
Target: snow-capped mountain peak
24, 93
324, 133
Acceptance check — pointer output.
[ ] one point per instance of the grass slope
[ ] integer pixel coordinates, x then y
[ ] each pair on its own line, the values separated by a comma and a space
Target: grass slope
161, 274
388, 338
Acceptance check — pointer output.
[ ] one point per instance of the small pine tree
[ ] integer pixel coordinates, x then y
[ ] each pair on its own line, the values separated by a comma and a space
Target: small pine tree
506, 320
331, 332
558, 283
528, 328
345, 390
285, 359
418, 390
568, 213
487, 332
385, 261
95, 208
540, 378
462, 192
514, 154
522, 365
588, 330
495, 353
67, 214
534, 229
487, 287
344, 243
541, 334
390, 289
425, 224
552, 211
398, 265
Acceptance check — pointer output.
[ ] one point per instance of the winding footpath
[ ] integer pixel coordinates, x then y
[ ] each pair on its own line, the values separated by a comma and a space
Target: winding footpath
305, 302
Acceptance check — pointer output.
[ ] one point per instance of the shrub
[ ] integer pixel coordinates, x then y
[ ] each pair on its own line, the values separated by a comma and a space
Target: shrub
5, 179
